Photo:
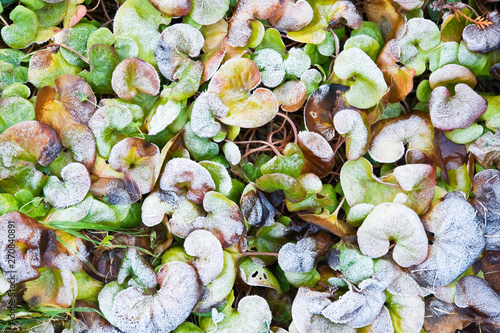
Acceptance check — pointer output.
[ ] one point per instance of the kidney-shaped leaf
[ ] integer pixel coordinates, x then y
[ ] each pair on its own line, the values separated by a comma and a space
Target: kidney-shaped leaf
24, 29
201, 15
368, 85
182, 172
458, 111
176, 44
133, 310
458, 241
477, 294
75, 186
133, 76
172, 8
394, 222
22, 147
205, 110
318, 154
292, 15
233, 83
79, 139
390, 136
325, 12
70, 100
483, 40
240, 27
208, 252
139, 160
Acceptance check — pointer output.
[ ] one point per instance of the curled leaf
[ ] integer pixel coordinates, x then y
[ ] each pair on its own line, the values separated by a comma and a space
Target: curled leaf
485, 39
176, 44
354, 125
291, 95
79, 139
240, 27
208, 252
139, 160
368, 85
390, 136
394, 222
318, 154
205, 110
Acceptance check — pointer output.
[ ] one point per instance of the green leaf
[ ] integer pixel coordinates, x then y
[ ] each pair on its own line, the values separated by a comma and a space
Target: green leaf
257, 275
277, 181
103, 61
291, 164
24, 29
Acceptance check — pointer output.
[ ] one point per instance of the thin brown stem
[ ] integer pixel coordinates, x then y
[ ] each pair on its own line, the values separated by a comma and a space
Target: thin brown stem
294, 128
246, 254
71, 50
262, 142
3, 21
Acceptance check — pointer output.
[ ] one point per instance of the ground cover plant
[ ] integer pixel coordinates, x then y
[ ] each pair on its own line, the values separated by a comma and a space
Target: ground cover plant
249, 166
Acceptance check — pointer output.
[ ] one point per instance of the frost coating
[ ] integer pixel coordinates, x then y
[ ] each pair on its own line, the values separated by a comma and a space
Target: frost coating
297, 63
369, 85
477, 294
396, 222
232, 153
208, 252
458, 111
458, 241
298, 258
358, 309
292, 16
132, 310
182, 172
354, 124
390, 136
270, 66
75, 186
206, 109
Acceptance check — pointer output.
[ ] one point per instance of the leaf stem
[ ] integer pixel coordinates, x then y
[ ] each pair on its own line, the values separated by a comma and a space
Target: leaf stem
71, 50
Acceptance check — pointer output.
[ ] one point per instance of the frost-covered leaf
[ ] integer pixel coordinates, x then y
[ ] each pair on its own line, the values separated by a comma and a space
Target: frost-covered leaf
318, 154
296, 63
62, 104
394, 222
354, 126
23, 31
486, 39
325, 12
133, 310
458, 241
75, 186
132, 76
421, 36
271, 67
458, 111
291, 95
292, 15
22, 147
208, 252
390, 136
141, 273
306, 313
103, 60
79, 139
290, 164
45, 66
205, 110
367, 84
140, 21
14, 110
172, 8
201, 15
175, 47
254, 274
298, 258
181, 173
486, 149
233, 83
293, 190
357, 309
486, 187
477, 294
349, 260
256, 208
240, 27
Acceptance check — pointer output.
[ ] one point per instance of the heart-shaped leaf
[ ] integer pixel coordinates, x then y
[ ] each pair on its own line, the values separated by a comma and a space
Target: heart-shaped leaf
208, 252
103, 60
233, 83
201, 15
369, 85
75, 186
132, 76
70, 100
486, 39
292, 16
46, 66
24, 29
394, 222
354, 126
458, 241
